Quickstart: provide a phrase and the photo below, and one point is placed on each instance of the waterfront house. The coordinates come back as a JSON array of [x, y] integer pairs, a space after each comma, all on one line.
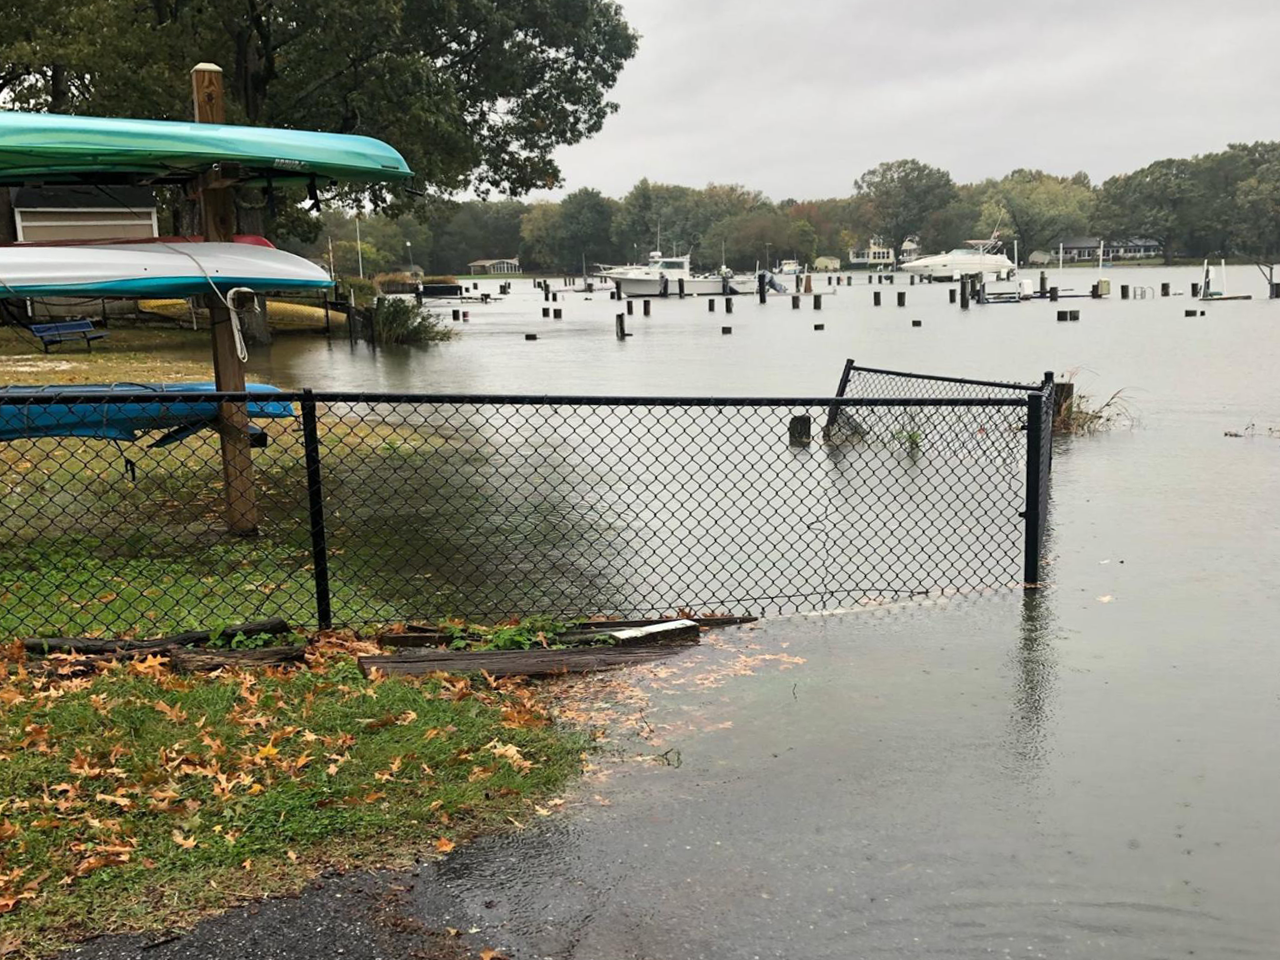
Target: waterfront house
[[510, 265], [876, 254], [1076, 249]]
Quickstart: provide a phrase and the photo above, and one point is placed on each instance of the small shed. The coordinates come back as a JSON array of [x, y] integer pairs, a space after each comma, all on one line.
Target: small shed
[[826, 263], [509, 265], [45, 214]]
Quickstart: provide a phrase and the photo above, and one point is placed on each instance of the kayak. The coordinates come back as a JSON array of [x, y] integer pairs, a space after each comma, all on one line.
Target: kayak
[[178, 409], [153, 269], [54, 148]]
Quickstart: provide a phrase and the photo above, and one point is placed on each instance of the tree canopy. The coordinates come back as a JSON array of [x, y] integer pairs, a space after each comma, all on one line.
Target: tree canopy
[[902, 195], [474, 94]]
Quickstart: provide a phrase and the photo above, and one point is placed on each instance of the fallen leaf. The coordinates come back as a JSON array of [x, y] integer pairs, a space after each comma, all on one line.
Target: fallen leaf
[[444, 845], [489, 954], [186, 843]]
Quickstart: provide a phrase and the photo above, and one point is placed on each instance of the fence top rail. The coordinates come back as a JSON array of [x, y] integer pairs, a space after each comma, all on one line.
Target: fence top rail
[[1029, 388], [67, 398]]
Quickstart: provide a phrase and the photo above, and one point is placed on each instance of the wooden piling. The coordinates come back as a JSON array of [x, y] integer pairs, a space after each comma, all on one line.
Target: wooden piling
[[1164, 289], [795, 302], [800, 431], [646, 307], [1195, 290], [819, 326], [711, 304], [620, 326], [531, 336], [631, 307], [1124, 291], [1073, 315], [218, 216], [1053, 294], [902, 298], [817, 301], [1062, 316], [546, 313], [952, 293], [728, 304], [725, 331], [917, 323], [557, 314], [964, 293], [680, 287], [875, 298]]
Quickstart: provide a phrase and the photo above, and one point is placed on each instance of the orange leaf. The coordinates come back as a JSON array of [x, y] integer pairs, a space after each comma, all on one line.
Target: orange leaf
[[124, 803], [490, 954], [444, 845], [186, 843]]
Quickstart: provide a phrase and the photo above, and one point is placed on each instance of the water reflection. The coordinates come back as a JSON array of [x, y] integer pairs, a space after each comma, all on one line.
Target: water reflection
[[1035, 661]]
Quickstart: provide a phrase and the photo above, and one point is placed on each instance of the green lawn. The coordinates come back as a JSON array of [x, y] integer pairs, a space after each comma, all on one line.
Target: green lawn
[[139, 799]]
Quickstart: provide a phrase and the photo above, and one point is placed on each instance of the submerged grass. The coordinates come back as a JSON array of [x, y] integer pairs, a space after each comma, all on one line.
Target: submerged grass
[[136, 798]]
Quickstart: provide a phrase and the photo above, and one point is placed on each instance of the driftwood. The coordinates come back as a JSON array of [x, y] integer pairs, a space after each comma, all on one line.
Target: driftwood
[[519, 663], [194, 661], [422, 636], [92, 646]]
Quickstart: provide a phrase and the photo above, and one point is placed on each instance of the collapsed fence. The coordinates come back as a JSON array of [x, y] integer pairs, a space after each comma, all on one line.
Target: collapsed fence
[[380, 507]]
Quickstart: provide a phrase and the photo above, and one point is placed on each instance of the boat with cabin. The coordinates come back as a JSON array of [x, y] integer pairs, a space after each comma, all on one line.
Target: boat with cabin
[[662, 276], [977, 257]]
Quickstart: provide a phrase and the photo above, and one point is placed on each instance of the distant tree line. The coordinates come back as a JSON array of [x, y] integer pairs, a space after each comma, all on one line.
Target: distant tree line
[[1216, 204]]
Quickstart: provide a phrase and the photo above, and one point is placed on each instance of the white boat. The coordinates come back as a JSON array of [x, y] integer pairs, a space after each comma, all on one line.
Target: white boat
[[788, 268], [661, 276], [979, 256], [156, 269]]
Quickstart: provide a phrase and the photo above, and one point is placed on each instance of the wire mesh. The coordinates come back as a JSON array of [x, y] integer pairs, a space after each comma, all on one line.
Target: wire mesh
[[491, 507]]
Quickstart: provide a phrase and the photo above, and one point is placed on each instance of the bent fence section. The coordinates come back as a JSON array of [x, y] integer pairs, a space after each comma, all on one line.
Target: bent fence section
[[378, 507]]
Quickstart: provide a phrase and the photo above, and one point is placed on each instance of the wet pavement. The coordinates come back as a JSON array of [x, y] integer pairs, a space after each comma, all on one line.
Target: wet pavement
[[1092, 772]]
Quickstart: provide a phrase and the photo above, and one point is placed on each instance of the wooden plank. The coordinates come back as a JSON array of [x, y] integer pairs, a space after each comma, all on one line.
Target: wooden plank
[[520, 663], [417, 635], [193, 661], [656, 633], [97, 645]]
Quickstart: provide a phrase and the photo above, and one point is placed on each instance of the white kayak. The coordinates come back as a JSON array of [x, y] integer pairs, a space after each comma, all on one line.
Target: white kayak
[[155, 269]]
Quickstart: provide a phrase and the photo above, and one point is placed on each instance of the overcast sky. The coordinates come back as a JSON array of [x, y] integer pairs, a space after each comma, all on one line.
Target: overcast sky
[[798, 98]]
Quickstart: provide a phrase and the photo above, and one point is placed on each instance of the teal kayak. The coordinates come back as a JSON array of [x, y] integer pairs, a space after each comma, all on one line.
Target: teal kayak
[[53, 148]]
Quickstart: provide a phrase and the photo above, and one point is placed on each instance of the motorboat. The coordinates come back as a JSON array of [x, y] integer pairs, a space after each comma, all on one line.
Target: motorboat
[[662, 276], [788, 268], [979, 257]]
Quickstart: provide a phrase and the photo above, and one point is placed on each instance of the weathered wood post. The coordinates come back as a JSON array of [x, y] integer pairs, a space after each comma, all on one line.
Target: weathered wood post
[[1044, 284], [680, 287], [631, 307], [218, 214], [795, 302], [902, 298], [728, 304], [800, 431], [1164, 289], [875, 298], [964, 293], [620, 326], [647, 308], [711, 304], [1053, 294], [817, 301], [952, 294]]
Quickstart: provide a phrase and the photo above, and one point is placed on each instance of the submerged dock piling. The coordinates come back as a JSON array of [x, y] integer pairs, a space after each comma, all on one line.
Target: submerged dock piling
[[620, 326], [817, 301], [795, 302], [646, 307], [631, 307], [952, 294], [711, 304], [875, 299], [902, 298], [728, 304]]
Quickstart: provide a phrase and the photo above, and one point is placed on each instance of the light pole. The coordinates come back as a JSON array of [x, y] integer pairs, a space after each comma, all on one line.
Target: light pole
[[766, 257], [408, 245]]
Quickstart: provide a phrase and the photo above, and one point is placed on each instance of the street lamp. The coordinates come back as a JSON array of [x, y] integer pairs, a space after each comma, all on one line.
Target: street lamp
[[766, 256], [408, 244], [359, 254]]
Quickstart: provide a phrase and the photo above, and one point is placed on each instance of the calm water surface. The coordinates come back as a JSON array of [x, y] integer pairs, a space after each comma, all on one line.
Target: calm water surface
[[1093, 774]]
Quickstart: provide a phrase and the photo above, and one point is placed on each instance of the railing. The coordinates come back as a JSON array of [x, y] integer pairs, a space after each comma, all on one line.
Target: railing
[[379, 507]]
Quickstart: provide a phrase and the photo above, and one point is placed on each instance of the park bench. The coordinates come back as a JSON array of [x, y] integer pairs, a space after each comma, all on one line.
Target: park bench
[[67, 330]]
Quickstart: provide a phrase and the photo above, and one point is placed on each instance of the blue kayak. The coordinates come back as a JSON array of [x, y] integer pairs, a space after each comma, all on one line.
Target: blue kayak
[[178, 409]]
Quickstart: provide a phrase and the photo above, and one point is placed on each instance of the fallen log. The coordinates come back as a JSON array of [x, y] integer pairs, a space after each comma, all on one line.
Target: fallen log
[[519, 663], [97, 646], [196, 661]]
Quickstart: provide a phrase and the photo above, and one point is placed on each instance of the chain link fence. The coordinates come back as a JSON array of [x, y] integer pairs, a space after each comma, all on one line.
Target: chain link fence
[[376, 507]]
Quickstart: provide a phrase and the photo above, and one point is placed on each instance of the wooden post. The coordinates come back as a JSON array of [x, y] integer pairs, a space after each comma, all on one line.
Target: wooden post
[[218, 215]]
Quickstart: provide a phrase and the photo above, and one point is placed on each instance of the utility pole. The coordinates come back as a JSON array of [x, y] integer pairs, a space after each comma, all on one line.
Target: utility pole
[[215, 194]]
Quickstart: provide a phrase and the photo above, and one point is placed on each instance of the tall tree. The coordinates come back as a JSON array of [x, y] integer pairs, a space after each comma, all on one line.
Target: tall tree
[[1038, 208], [1157, 201], [1257, 220], [540, 237], [903, 195], [473, 94], [586, 218]]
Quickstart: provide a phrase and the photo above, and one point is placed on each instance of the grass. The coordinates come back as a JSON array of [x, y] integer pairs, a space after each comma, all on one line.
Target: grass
[[128, 354], [139, 799], [1083, 414]]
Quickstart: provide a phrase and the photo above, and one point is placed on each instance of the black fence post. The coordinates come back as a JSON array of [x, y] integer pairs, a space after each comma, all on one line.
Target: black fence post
[[315, 497], [1031, 513], [834, 409]]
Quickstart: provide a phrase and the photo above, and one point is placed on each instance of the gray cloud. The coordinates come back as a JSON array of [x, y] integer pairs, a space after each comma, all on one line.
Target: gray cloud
[[798, 98]]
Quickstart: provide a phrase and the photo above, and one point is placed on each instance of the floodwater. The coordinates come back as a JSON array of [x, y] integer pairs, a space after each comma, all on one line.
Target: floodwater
[[1094, 772]]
